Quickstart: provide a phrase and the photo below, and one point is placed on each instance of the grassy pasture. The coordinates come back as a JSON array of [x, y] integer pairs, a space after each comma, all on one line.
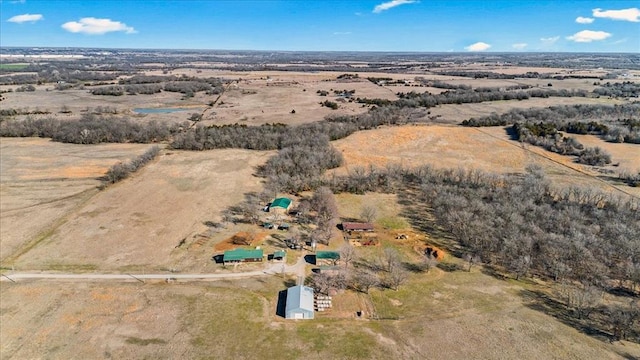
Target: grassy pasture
[[9, 67]]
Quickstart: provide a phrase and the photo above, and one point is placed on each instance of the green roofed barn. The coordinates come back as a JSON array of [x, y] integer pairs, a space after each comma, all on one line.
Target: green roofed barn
[[327, 255], [280, 205], [242, 255]]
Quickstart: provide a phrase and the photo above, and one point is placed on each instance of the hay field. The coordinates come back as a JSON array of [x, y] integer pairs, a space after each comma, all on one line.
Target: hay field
[[141, 220], [42, 181], [488, 149]]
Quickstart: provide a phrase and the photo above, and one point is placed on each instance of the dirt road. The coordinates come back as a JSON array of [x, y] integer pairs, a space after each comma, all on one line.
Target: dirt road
[[297, 269]]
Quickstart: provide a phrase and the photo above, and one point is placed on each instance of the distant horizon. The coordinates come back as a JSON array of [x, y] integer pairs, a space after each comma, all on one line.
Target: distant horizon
[[415, 26], [466, 53]]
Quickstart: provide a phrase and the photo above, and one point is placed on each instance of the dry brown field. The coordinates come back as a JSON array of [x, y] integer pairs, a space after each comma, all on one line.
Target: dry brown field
[[42, 181], [487, 149], [138, 222]]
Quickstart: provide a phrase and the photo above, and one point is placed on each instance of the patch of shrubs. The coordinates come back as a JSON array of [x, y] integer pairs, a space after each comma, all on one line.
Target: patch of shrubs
[[121, 171]]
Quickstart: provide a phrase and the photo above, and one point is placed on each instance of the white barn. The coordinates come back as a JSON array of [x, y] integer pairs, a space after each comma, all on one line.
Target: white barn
[[299, 303]]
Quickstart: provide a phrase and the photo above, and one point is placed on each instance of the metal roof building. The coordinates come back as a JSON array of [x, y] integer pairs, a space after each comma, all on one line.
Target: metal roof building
[[299, 302], [328, 255], [355, 226], [242, 255], [281, 203]]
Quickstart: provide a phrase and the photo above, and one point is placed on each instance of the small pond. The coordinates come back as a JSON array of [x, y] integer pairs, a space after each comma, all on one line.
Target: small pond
[[157, 110]]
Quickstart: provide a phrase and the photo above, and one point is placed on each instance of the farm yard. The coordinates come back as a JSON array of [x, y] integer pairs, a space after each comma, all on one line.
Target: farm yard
[[356, 202]]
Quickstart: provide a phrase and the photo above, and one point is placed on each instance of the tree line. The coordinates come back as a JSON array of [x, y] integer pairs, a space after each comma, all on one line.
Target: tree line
[[428, 100], [90, 129]]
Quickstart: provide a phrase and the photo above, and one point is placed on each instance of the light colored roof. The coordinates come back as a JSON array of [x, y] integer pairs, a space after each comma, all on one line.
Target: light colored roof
[[333, 255], [300, 298], [281, 203], [242, 254], [279, 253]]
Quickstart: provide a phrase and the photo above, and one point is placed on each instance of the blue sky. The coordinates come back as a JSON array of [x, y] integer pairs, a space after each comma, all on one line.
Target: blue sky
[[326, 25]]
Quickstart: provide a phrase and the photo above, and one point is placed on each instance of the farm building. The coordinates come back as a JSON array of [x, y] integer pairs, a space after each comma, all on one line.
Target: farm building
[[331, 256], [357, 227], [280, 205], [361, 232], [279, 255], [242, 255], [299, 303]]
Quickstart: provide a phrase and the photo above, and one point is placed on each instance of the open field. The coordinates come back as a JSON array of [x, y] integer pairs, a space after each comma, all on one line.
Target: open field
[[42, 181], [439, 313], [141, 220], [488, 149]]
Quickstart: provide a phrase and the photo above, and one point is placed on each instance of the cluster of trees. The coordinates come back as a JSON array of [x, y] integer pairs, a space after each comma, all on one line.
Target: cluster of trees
[[121, 171], [26, 88], [330, 104], [582, 238], [630, 178], [428, 100], [617, 123], [187, 87], [385, 271], [323, 203], [624, 89], [441, 84], [301, 163], [90, 129]]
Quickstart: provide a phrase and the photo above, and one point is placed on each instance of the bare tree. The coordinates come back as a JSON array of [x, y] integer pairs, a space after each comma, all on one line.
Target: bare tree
[[369, 213], [396, 277], [347, 254], [390, 259], [363, 280]]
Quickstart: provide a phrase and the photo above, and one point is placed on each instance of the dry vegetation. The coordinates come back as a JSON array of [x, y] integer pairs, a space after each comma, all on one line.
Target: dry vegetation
[[54, 218]]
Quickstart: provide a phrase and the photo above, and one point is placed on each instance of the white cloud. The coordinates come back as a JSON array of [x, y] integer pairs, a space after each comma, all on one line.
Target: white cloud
[[26, 18], [519, 46], [479, 46], [93, 26], [550, 40], [19, 1], [584, 20], [587, 36], [620, 41], [631, 14], [342, 33], [391, 4]]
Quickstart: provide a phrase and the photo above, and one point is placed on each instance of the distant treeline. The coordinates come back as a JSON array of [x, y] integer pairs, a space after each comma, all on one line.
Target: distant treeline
[[617, 123], [624, 89], [428, 100]]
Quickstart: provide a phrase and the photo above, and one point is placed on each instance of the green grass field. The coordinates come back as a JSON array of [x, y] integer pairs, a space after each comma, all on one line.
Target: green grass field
[[13, 67]]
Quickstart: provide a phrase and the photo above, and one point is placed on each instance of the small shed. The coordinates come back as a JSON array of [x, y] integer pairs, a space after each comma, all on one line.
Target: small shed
[[281, 205], [279, 255], [242, 255], [299, 302]]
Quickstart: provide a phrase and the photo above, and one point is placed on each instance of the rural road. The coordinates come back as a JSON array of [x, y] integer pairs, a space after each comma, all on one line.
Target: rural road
[[298, 269]]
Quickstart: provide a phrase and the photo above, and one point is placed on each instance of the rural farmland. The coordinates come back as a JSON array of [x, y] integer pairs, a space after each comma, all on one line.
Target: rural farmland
[[198, 204]]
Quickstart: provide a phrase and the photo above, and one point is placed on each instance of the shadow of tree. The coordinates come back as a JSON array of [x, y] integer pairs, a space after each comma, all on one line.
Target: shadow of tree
[[589, 325]]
